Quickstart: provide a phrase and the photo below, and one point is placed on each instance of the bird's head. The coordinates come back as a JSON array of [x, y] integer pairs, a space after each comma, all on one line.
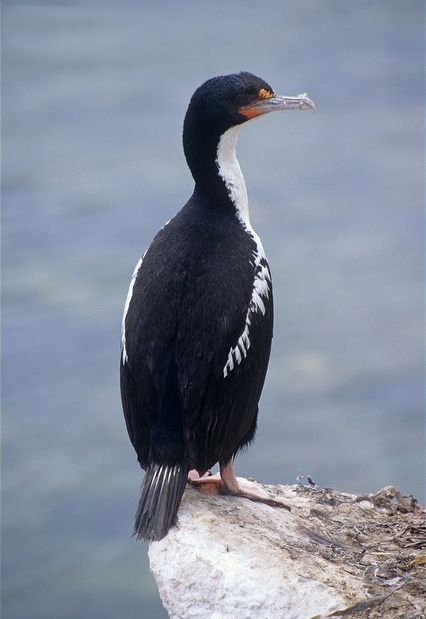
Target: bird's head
[[227, 101]]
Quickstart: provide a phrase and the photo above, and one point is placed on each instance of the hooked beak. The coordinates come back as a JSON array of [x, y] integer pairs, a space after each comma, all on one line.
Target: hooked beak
[[276, 103]]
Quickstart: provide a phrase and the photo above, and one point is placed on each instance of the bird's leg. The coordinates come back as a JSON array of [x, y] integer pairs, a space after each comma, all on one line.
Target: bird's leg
[[230, 485], [207, 483], [225, 482], [194, 476], [228, 477]]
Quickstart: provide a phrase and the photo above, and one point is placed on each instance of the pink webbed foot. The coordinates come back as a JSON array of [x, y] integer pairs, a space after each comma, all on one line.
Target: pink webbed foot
[[194, 476], [207, 483], [226, 483]]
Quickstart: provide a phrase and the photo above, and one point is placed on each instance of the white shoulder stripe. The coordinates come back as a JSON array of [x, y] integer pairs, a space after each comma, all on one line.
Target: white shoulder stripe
[[126, 309], [260, 289]]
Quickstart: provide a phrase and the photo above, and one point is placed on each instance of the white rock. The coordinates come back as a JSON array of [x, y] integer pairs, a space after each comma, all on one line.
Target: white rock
[[231, 558]]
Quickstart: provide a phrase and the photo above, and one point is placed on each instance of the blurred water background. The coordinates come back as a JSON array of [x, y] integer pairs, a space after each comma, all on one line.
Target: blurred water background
[[93, 101]]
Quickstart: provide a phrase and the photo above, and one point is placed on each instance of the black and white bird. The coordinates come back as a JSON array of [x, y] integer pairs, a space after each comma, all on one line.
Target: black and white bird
[[197, 322]]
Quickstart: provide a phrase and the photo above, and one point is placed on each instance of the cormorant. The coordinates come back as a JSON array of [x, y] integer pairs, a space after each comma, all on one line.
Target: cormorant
[[197, 322]]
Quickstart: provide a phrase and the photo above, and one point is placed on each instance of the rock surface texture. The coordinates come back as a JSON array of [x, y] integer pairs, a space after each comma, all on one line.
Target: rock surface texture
[[333, 555]]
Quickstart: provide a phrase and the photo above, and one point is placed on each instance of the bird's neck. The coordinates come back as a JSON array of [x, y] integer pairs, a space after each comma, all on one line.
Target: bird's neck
[[230, 172], [217, 173]]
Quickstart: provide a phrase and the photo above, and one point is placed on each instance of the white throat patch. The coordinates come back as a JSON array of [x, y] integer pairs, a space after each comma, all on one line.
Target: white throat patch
[[230, 172]]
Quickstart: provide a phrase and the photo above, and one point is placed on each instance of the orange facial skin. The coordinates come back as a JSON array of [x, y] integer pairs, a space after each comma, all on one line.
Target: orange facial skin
[[251, 111]]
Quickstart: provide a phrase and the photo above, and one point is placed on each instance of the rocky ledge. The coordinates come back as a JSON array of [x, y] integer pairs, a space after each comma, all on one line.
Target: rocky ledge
[[333, 555]]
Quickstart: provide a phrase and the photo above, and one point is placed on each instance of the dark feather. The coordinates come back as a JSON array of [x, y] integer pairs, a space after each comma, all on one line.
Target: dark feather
[[161, 493]]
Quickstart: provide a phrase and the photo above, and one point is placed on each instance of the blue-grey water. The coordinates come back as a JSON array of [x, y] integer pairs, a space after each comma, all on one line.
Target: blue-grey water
[[93, 100]]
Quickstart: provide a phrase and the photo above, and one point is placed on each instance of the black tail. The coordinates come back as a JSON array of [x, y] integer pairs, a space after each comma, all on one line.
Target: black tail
[[161, 494]]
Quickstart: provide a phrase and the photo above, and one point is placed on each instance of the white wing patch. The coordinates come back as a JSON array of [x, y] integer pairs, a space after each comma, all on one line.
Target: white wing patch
[[260, 289], [126, 309], [126, 305], [230, 171]]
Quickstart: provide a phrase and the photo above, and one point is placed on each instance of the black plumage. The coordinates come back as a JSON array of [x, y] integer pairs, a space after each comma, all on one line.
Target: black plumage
[[197, 326]]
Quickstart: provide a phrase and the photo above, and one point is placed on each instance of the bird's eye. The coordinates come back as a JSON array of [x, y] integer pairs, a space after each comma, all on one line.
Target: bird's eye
[[242, 99]]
